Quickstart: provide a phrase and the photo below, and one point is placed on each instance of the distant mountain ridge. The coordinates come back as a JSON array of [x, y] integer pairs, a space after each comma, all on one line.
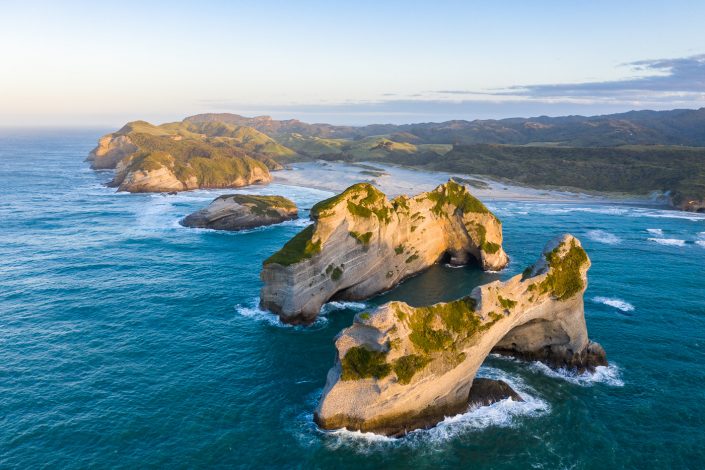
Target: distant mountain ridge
[[683, 127]]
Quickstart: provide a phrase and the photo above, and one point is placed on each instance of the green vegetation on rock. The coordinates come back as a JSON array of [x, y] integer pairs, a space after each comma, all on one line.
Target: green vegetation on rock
[[361, 238], [362, 200], [262, 205], [360, 363], [506, 303], [564, 279], [444, 326], [455, 195], [297, 249], [407, 366]]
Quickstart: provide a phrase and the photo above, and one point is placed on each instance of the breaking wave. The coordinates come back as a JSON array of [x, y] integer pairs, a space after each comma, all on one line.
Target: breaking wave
[[668, 241], [655, 231], [608, 375], [335, 305], [602, 236], [616, 303], [254, 312], [504, 413]]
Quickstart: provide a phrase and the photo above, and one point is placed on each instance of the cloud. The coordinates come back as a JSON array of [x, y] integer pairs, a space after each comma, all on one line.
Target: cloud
[[660, 84], [664, 78]]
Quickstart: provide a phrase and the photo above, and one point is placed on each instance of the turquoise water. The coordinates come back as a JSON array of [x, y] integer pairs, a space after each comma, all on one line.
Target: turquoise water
[[128, 341]]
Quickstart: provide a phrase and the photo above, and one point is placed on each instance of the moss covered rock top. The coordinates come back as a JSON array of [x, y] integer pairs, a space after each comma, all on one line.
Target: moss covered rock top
[[299, 248], [361, 199], [242, 211], [567, 265], [260, 204]]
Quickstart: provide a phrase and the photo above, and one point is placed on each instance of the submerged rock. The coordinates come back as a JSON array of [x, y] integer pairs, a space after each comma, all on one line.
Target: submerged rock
[[242, 211], [400, 368], [361, 244]]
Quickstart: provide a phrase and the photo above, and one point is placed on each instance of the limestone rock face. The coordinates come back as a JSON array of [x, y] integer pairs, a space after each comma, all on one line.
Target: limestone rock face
[[242, 211], [137, 178], [182, 156], [400, 368], [110, 150], [361, 244]]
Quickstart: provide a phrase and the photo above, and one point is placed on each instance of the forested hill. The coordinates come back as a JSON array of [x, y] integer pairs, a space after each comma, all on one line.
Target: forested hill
[[677, 127]]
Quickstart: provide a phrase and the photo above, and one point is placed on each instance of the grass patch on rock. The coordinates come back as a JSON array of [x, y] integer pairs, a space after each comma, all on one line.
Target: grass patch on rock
[[360, 363], [297, 249]]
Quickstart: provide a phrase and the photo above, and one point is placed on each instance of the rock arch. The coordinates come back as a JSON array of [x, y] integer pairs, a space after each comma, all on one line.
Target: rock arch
[[361, 243], [401, 368]]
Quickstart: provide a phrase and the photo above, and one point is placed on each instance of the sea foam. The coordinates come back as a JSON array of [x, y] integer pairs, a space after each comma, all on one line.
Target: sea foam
[[254, 312], [616, 303], [504, 413], [668, 241], [602, 236], [608, 375]]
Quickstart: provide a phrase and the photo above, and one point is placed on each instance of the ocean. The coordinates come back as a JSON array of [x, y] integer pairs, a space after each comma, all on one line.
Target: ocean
[[128, 341]]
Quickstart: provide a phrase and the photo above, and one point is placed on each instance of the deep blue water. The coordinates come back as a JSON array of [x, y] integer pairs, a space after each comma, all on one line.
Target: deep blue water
[[127, 341]]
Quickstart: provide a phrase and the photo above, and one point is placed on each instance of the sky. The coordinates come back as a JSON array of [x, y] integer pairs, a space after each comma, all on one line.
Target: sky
[[92, 63]]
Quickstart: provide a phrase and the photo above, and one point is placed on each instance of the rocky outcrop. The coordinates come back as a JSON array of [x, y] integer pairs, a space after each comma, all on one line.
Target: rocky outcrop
[[186, 155], [400, 368], [110, 150], [242, 211], [485, 392], [162, 172], [361, 244], [690, 204]]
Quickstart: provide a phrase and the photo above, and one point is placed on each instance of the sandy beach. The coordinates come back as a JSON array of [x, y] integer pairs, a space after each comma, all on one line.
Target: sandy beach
[[394, 180]]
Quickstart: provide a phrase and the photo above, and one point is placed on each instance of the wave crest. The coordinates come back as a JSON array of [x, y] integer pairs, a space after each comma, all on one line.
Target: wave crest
[[602, 236], [608, 375], [668, 241], [254, 312], [616, 303]]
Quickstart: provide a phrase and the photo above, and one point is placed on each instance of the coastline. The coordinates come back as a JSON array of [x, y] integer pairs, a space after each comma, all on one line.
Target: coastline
[[396, 180]]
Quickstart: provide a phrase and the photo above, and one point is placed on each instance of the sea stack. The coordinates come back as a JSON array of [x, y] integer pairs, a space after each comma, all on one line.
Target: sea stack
[[242, 211], [401, 368], [361, 244]]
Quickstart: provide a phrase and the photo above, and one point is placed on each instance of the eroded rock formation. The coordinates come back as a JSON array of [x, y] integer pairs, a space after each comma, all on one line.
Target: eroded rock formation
[[401, 368], [186, 155], [242, 211], [361, 244]]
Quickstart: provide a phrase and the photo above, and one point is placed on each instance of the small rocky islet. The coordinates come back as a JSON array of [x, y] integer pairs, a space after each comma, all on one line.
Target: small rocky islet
[[401, 368], [242, 211]]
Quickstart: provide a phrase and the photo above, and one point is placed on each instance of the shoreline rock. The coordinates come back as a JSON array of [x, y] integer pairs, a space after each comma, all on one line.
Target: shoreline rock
[[242, 211], [485, 392], [186, 155], [361, 244], [402, 367]]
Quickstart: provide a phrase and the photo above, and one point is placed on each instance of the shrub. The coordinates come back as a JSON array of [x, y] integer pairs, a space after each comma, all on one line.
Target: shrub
[[360, 362], [406, 366]]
